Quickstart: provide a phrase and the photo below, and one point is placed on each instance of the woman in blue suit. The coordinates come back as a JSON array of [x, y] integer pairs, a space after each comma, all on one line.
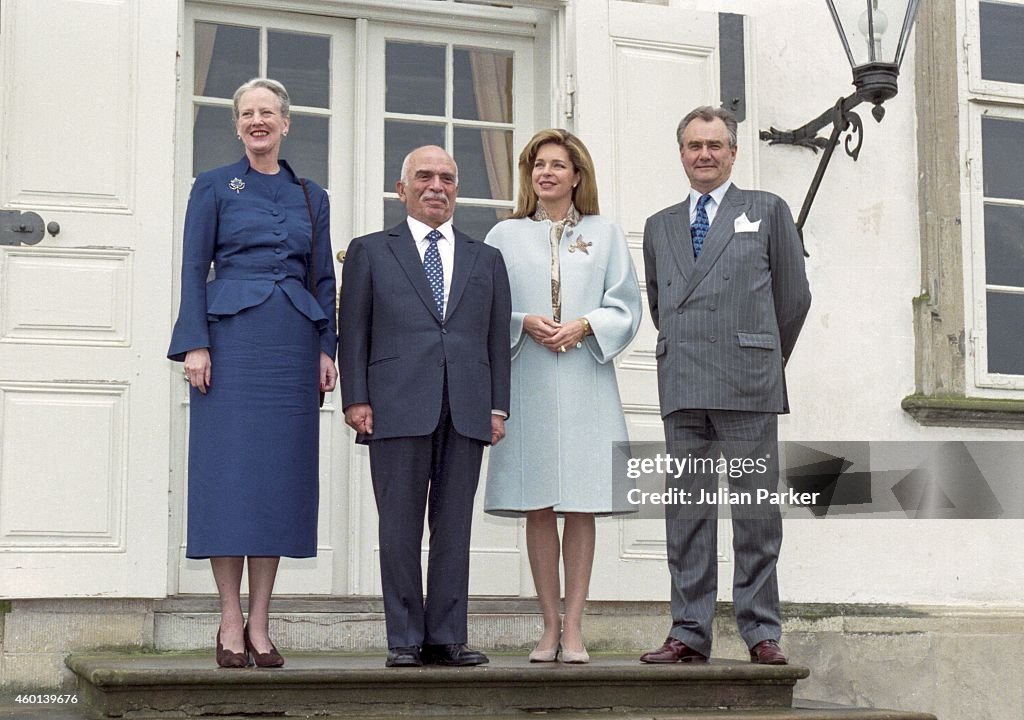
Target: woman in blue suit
[[258, 345]]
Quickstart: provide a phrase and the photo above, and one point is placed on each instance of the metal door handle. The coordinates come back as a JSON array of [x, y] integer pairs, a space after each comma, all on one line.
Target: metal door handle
[[23, 228]]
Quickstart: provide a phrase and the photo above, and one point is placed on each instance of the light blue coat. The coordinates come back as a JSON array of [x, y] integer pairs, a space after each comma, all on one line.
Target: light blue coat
[[565, 407]]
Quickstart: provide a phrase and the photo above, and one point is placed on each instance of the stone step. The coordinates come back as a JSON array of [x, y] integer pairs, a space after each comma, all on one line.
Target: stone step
[[354, 685], [356, 624]]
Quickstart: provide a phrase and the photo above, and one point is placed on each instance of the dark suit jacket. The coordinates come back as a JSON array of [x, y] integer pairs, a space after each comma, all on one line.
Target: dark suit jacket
[[727, 321], [394, 348]]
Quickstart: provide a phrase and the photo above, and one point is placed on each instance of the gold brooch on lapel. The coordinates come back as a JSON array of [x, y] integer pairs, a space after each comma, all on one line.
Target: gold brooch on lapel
[[237, 185], [580, 245]]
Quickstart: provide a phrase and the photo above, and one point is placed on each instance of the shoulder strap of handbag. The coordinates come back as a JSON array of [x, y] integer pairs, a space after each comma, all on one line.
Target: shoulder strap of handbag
[[311, 275]]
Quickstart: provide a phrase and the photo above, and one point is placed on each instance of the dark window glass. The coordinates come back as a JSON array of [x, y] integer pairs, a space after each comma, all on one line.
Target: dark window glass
[[225, 57], [302, 63], [401, 138], [1002, 42], [485, 163], [483, 85], [213, 139], [415, 78], [477, 221], [1005, 333], [1002, 143], [1004, 245], [394, 212], [307, 147]]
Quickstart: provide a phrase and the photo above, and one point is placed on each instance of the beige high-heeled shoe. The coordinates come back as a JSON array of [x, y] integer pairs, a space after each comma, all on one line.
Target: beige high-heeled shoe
[[545, 656], [573, 657]]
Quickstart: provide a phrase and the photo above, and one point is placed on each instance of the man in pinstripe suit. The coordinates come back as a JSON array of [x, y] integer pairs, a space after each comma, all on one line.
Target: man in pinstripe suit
[[728, 294]]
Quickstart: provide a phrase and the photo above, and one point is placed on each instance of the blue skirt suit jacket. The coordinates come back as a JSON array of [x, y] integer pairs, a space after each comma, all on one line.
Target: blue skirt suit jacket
[[253, 485]]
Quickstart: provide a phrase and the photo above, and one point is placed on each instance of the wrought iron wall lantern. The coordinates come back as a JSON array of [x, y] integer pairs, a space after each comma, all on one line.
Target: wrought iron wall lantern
[[875, 54]]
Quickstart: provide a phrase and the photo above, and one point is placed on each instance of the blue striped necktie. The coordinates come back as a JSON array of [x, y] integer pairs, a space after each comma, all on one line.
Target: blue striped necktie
[[699, 229], [434, 270]]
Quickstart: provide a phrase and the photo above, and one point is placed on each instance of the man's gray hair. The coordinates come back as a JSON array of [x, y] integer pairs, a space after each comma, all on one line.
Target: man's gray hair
[[708, 114], [266, 83]]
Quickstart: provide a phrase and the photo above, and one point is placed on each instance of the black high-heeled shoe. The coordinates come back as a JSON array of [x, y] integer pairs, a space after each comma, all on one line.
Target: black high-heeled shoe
[[229, 658], [269, 659]]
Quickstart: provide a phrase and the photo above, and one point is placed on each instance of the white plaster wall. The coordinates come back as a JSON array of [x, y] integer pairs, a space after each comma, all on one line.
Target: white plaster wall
[[855, 359]]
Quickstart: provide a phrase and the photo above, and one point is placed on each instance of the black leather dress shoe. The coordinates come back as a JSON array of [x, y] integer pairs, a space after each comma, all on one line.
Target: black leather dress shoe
[[403, 657], [454, 655]]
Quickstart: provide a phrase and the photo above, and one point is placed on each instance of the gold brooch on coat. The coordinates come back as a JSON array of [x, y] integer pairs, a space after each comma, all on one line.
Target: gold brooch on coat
[[236, 184], [580, 245]]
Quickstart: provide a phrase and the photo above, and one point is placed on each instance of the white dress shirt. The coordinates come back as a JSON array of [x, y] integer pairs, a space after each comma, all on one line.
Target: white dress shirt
[[711, 206], [445, 247]]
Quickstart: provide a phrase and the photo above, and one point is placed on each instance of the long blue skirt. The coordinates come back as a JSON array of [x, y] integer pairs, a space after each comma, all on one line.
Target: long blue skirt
[[254, 437]]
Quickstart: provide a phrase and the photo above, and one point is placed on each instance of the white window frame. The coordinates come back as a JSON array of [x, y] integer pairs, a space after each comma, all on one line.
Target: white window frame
[[978, 99]]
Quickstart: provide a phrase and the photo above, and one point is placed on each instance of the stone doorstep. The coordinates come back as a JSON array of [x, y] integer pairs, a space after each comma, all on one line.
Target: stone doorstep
[[166, 685]]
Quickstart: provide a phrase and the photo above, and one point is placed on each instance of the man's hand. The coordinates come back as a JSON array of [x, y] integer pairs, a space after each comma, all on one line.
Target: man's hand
[[359, 417], [497, 429]]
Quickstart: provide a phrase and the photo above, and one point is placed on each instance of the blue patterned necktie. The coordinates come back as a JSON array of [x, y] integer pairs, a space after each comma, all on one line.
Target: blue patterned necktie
[[435, 272], [699, 229]]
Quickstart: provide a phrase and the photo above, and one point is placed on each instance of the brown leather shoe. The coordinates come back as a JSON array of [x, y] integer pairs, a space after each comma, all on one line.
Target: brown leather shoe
[[269, 659], [768, 652], [229, 658], [673, 651]]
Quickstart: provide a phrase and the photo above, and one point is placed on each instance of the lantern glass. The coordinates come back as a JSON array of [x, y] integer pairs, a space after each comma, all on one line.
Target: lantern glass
[[873, 30]]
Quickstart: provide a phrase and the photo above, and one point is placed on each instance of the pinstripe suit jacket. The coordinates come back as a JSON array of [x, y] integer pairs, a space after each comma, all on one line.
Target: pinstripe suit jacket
[[727, 321]]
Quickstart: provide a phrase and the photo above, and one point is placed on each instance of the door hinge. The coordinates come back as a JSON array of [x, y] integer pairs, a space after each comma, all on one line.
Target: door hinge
[[570, 95]]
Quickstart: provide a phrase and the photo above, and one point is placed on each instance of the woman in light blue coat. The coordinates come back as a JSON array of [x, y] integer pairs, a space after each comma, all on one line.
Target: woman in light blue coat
[[575, 306]]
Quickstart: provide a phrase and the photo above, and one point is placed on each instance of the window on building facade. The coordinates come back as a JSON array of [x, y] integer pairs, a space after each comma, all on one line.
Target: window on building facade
[[227, 56], [461, 99], [996, 191]]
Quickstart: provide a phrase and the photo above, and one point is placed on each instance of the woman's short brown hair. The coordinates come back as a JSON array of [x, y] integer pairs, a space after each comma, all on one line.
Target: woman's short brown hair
[[584, 195]]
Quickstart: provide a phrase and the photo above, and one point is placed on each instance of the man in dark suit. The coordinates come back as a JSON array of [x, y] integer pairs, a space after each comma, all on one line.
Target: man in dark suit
[[728, 294], [425, 370]]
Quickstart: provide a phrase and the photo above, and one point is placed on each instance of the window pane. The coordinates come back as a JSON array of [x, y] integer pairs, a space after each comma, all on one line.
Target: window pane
[[401, 138], [1002, 42], [485, 163], [1002, 144], [1004, 245], [302, 63], [1005, 333], [415, 78], [483, 85], [225, 57], [477, 221], [307, 147], [213, 139], [394, 212]]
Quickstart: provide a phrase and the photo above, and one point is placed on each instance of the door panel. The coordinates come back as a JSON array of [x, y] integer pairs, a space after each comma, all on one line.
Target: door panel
[[83, 313], [626, 53]]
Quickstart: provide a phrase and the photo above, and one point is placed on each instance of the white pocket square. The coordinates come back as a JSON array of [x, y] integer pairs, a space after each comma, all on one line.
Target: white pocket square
[[744, 225]]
